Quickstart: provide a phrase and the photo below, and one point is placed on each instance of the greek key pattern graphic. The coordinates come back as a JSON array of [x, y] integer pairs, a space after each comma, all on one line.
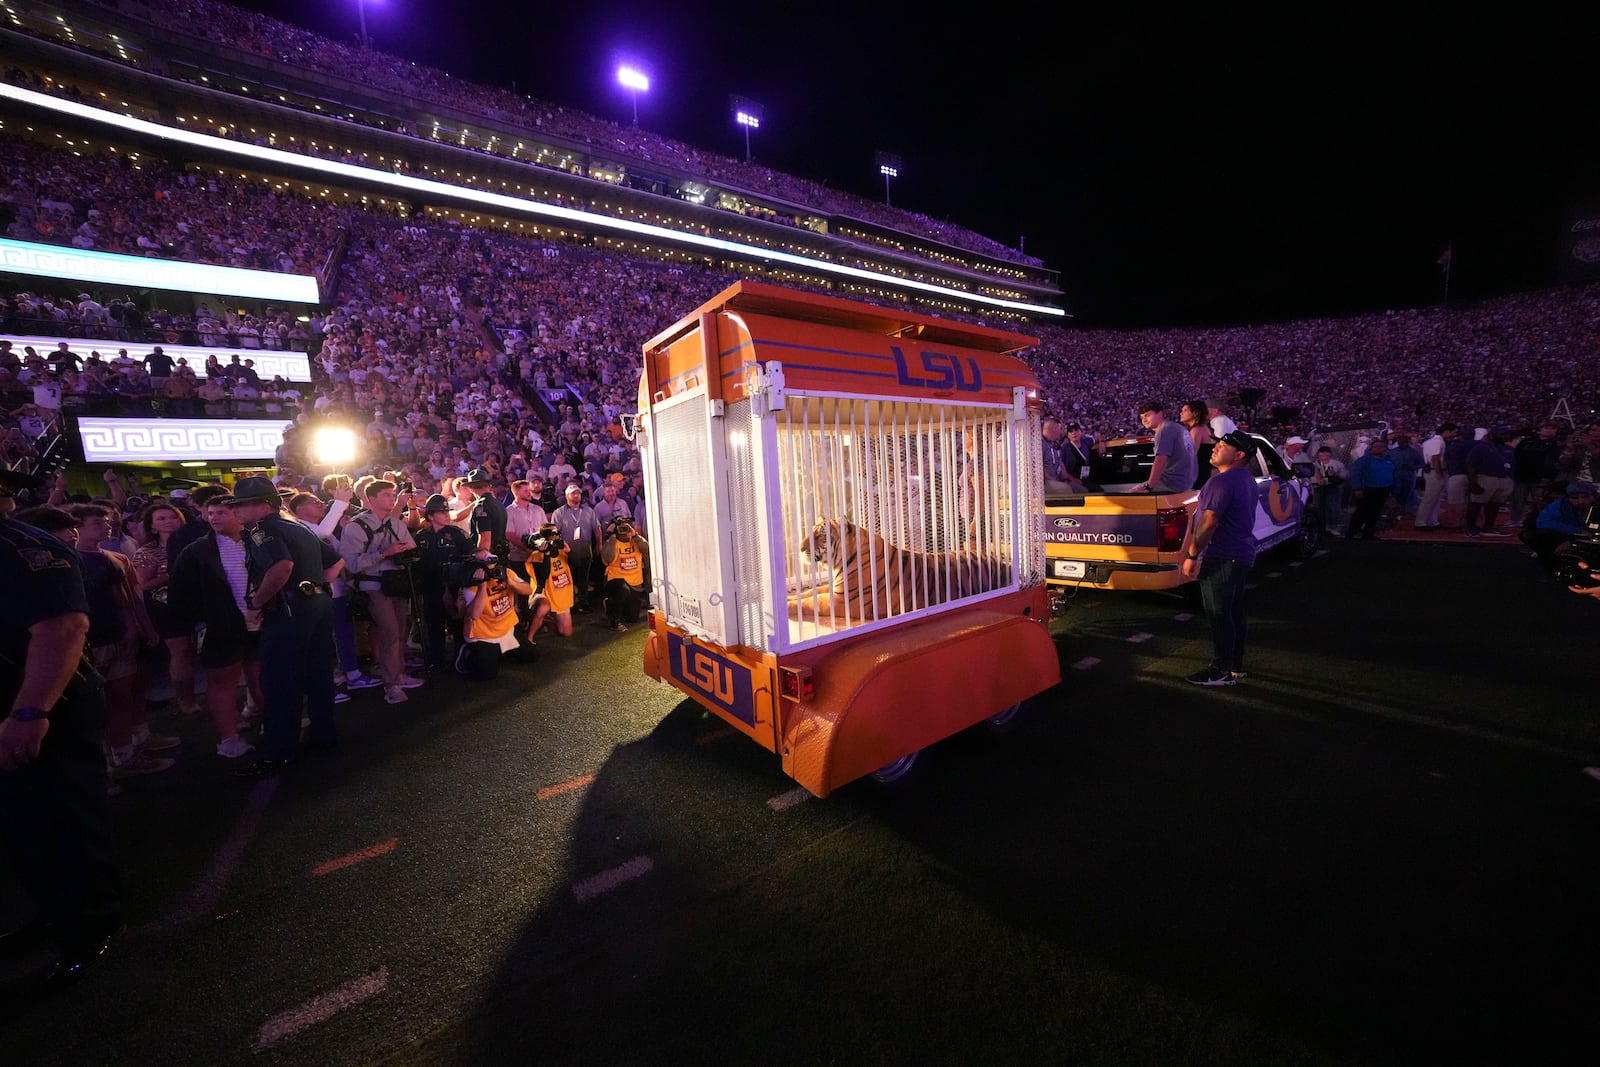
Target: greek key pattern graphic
[[173, 440]]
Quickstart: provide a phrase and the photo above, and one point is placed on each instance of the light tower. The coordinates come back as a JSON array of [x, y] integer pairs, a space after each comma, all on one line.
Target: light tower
[[747, 113], [636, 81], [889, 167]]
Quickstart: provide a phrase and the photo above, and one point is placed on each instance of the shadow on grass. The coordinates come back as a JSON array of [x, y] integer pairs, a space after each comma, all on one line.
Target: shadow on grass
[[1184, 876]]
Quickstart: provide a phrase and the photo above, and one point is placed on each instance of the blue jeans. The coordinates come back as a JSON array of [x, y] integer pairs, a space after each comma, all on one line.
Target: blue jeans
[[1222, 591]]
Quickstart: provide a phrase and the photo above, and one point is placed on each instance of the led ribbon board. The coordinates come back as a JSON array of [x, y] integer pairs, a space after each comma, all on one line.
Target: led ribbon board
[[291, 366], [171, 440], [139, 272], [403, 183]]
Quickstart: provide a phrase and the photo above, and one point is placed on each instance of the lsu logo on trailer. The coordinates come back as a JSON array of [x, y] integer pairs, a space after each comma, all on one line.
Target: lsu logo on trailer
[[715, 678]]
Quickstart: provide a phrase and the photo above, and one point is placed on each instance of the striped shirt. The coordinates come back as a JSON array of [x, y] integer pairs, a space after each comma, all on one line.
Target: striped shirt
[[232, 554]]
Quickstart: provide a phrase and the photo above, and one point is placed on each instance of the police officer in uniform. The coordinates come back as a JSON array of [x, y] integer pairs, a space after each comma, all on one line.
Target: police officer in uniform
[[289, 569], [488, 525], [56, 824], [440, 543]]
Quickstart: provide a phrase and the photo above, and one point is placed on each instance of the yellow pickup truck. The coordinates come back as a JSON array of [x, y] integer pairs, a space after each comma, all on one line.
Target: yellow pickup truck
[[1111, 538]]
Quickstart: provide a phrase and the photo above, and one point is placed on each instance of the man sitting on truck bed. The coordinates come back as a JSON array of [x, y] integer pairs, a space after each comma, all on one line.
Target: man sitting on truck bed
[[1173, 468]]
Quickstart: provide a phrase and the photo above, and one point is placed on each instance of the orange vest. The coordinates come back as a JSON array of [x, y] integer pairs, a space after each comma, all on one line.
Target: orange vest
[[499, 614], [558, 587], [627, 564]]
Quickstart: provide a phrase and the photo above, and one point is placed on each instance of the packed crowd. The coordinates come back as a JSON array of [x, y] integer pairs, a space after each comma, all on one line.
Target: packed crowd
[[262, 36], [185, 577], [142, 208], [1508, 361], [480, 322]]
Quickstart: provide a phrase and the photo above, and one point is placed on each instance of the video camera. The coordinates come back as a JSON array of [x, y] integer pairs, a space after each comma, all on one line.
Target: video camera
[[620, 527], [1584, 548], [546, 539], [470, 570]]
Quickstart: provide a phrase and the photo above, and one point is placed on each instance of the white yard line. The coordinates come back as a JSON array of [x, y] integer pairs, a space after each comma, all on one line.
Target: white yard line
[[785, 801], [606, 881], [319, 1009], [207, 892]]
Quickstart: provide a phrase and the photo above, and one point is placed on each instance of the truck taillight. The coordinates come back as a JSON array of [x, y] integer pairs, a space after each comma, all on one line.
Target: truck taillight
[[1170, 525], [796, 682]]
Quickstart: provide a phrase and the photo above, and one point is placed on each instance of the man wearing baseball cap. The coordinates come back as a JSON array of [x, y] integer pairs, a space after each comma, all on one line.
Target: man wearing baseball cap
[[1220, 549], [487, 526]]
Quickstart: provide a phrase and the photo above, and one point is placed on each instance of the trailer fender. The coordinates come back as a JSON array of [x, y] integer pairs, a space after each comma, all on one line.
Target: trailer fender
[[895, 692]]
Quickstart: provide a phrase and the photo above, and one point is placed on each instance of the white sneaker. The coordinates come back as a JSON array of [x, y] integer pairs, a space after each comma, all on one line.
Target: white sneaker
[[357, 680], [405, 681], [234, 747], [341, 698], [394, 695]]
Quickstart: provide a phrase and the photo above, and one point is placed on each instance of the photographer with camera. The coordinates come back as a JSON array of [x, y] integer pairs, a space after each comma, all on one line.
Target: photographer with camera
[[489, 620], [626, 556], [440, 544], [378, 551], [549, 554], [1559, 522]]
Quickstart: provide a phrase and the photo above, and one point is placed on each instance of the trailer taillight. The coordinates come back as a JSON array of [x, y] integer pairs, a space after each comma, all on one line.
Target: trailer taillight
[[1170, 525], [796, 682]]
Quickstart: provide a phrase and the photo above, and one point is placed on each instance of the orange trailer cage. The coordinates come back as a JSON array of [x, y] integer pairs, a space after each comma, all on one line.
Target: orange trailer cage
[[842, 506]]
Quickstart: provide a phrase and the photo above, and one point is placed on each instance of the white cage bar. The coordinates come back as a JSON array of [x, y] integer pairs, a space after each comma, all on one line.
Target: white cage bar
[[893, 509]]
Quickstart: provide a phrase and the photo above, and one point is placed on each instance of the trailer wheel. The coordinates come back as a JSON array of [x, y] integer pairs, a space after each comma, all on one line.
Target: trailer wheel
[[1005, 720], [897, 770]]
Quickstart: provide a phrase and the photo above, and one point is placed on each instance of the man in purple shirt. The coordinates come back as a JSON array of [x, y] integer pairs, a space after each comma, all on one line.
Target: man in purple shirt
[[1488, 483], [1219, 551]]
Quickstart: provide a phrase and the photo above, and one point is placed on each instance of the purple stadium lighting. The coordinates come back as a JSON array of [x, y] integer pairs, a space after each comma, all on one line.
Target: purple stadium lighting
[[635, 81], [889, 167], [747, 113], [361, 10]]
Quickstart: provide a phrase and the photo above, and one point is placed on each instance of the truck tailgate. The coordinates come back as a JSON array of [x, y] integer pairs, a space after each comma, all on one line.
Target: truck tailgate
[[1130, 532]]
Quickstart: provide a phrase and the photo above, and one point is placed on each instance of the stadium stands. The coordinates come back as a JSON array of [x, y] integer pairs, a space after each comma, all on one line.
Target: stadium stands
[[471, 345]]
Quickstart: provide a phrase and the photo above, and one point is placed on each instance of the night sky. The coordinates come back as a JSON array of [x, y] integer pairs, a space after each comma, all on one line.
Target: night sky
[[1176, 170]]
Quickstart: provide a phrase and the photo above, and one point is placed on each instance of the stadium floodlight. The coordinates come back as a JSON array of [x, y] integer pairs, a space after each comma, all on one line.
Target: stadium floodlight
[[333, 446], [361, 11], [746, 113], [889, 167], [635, 81]]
